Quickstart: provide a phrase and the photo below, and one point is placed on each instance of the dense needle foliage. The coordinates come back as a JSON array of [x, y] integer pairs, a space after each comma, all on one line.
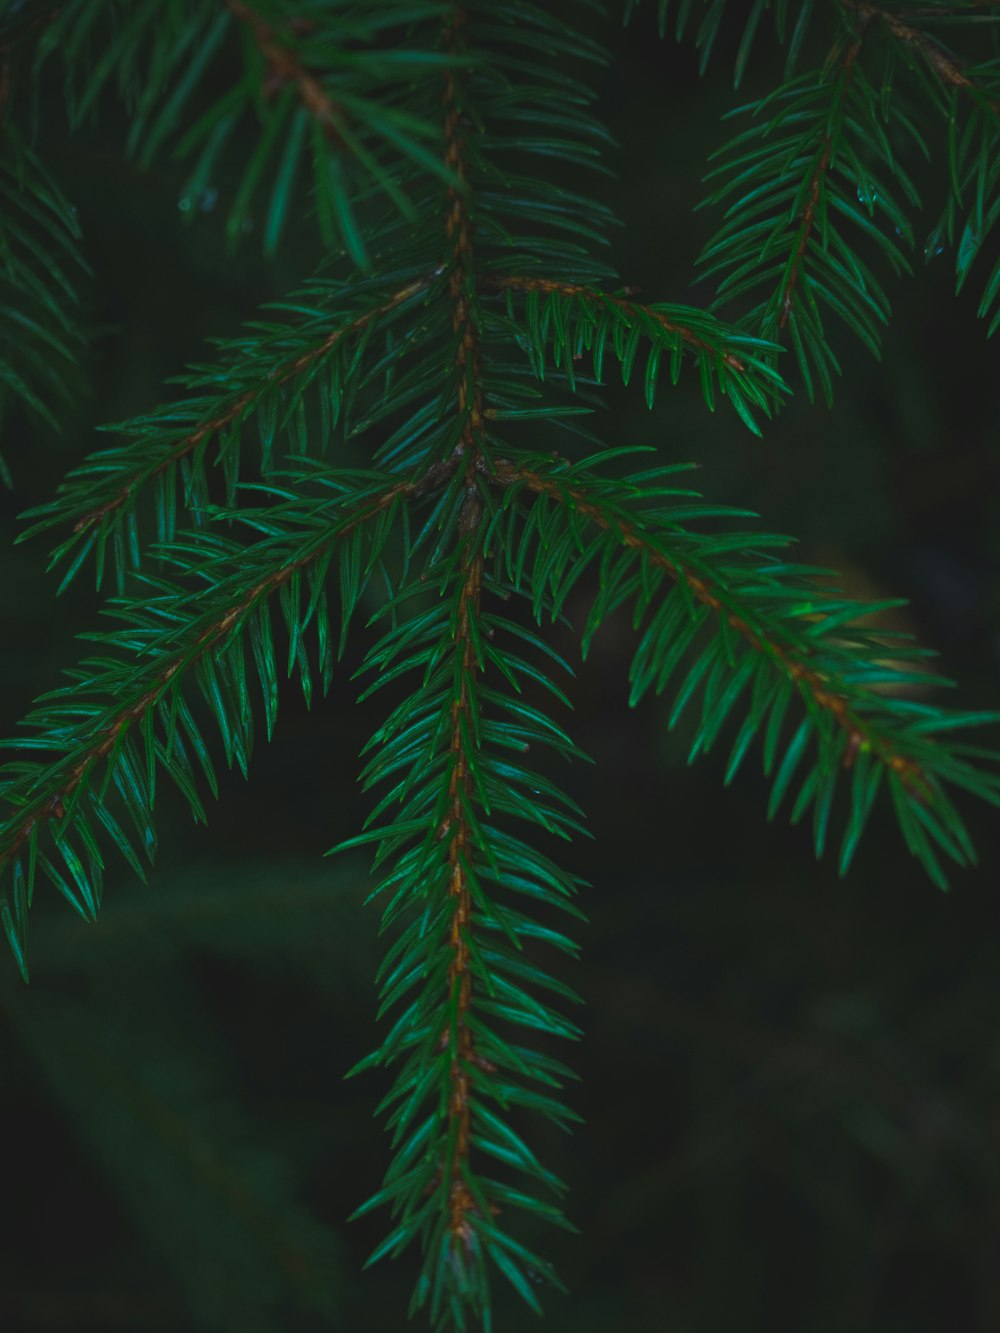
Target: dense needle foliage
[[454, 338]]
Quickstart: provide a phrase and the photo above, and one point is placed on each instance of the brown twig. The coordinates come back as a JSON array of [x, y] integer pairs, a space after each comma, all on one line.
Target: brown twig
[[459, 974], [470, 406], [284, 66], [811, 682], [944, 65], [510, 282]]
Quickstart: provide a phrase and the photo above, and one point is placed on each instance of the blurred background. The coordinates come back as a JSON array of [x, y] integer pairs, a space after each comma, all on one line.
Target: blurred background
[[790, 1083]]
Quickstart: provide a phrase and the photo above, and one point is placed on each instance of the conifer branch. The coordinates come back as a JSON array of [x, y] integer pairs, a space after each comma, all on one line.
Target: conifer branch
[[438, 107], [469, 405], [40, 335], [284, 66], [181, 634], [452, 789], [60, 783], [793, 659], [98, 496], [795, 177], [940, 61], [824, 150], [789, 625], [456, 829], [574, 318], [692, 339], [238, 407]]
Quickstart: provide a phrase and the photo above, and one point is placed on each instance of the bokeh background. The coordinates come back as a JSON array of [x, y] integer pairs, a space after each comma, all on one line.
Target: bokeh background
[[790, 1083]]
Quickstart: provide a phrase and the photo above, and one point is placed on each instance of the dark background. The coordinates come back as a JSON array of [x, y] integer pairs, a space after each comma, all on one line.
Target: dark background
[[790, 1082]]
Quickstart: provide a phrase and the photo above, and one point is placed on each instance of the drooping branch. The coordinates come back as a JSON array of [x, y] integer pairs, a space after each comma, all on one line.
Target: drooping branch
[[233, 410], [696, 342], [944, 65], [822, 162], [54, 789], [284, 66], [823, 691]]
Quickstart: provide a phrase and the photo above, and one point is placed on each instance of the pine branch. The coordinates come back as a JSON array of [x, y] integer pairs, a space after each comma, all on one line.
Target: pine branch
[[808, 217], [444, 855], [470, 126], [469, 406], [620, 302], [966, 96], [458, 831]]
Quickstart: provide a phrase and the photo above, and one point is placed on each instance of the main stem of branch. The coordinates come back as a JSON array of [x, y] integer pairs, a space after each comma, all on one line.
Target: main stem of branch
[[824, 155], [469, 405], [459, 974]]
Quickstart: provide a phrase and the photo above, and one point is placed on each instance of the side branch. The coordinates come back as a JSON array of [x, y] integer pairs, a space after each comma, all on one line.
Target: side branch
[[814, 685], [284, 66], [821, 165], [238, 406], [948, 70], [696, 342], [51, 793]]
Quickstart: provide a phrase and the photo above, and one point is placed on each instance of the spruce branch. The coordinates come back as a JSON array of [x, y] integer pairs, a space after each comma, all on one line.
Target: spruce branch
[[460, 967], [819, 149], [175, 632], [966, 95], [809, 216], [619, 301], [100, 497], [327, 92], [445, 853], [284, 65], [470, 126], [942, 63], [573, 318], [798, 639], [469, 406], [457, 831]]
